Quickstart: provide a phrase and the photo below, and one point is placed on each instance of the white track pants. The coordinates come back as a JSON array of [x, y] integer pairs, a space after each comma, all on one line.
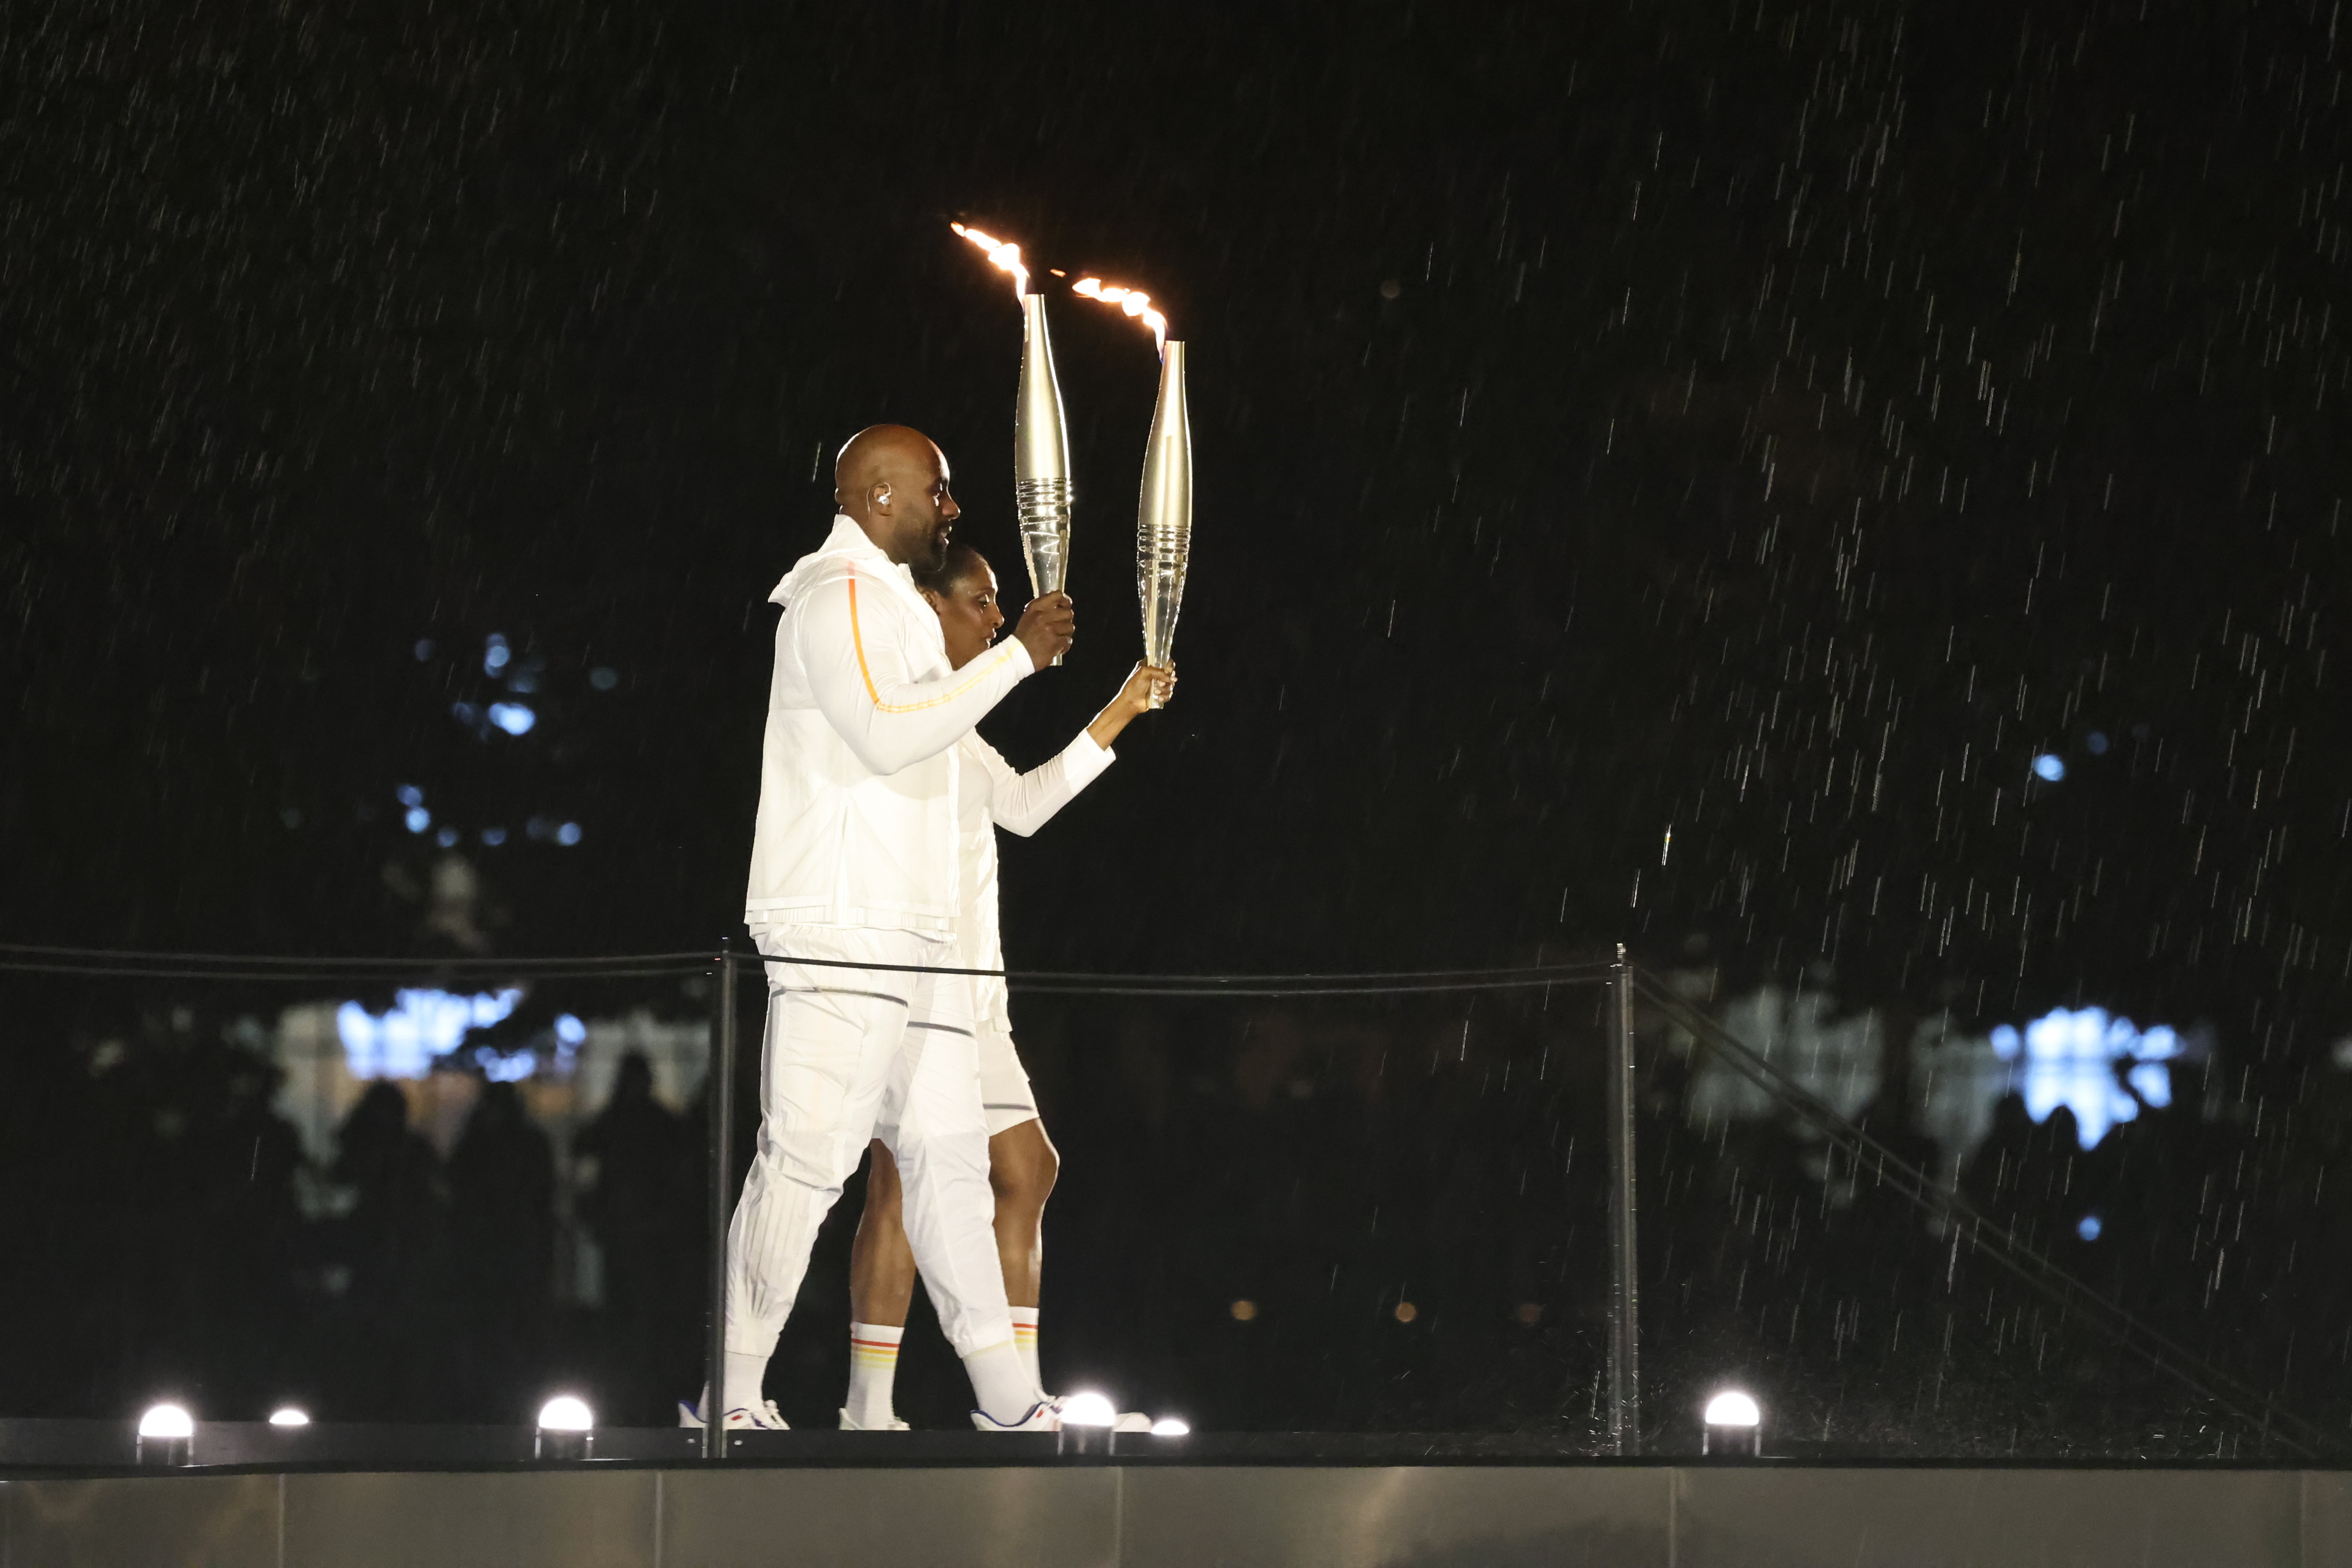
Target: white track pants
[[839, 1042]]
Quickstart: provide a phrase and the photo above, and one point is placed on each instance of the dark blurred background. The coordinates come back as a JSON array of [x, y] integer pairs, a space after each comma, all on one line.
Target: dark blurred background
[[405, 416]]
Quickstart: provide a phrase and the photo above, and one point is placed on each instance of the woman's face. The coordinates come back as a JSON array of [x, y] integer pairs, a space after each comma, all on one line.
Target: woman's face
[[969, 615]]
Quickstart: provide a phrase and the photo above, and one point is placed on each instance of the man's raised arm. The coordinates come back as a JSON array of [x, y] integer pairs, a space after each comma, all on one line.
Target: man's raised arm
[[858, 672]]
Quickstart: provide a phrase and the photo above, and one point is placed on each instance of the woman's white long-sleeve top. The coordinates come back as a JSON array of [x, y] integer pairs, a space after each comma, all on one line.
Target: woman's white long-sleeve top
[[990, 795], [857, 771]]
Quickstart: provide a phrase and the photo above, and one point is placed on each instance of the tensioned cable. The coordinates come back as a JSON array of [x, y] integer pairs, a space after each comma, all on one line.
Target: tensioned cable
[[419, 970], [26, 958], [299, 963], [1997, 1241]]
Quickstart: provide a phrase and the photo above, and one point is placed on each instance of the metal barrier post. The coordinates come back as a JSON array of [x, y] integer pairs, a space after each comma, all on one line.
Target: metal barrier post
[[722, 1162], [1624, 1314]]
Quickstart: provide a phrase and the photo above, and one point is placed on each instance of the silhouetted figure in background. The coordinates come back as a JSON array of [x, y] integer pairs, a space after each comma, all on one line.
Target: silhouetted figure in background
[[2024, 1173], [502, 1248], [643, 1212], [390, 1250]]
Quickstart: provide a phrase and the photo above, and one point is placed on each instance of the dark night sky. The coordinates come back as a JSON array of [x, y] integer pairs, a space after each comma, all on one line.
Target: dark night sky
[[1790, 421]]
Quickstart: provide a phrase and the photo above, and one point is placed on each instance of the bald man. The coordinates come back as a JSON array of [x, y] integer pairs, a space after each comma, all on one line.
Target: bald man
[[854, 863]]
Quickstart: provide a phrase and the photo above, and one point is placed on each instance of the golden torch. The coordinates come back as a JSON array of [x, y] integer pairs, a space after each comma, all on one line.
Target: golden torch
[[1163, 513], [1041, 439]]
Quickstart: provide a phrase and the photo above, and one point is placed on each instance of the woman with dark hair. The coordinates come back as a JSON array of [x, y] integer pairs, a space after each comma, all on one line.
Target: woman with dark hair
[[1022, 1163]]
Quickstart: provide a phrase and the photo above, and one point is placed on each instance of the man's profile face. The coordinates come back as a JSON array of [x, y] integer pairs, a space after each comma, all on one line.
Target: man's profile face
[[969, 615], [926, 515]]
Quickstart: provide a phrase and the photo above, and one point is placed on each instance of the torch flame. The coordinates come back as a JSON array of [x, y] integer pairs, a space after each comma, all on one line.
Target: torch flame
[[1132, 301], [1003, 253]]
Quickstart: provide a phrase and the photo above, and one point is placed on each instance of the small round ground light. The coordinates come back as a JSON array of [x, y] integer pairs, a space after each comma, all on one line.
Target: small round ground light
[[1087, 1419], [1735, 1427], [567, 1429], [167, 1436]]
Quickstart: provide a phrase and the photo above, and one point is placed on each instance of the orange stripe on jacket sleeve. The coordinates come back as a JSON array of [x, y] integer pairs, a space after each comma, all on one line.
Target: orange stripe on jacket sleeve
[[857, 640]]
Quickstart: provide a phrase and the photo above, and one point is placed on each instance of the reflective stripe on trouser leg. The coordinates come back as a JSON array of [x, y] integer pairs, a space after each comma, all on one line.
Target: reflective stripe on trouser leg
[[936, 1130], [832, 1039]]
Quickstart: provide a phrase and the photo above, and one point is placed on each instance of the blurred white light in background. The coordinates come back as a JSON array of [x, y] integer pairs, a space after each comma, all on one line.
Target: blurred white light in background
[[2069, 1059], [513, 718], [409, 795], [423, 650], [167, 1421], [418, 819], [290, 1415], [1088, 1409], [495, 656], [446, 839], [2049, 767], [566, 1413], [2088, 1227], [570, 1029], [2096, 743], [494, 837], [604, 679], [1169, 1426], [421, 1027], [569, 834]]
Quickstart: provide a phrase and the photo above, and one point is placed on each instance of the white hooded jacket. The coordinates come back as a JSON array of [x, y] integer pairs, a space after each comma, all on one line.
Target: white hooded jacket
[[857, 808]]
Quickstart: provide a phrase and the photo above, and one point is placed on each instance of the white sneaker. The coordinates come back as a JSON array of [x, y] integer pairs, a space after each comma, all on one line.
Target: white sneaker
[[767, 1418], [893, 1425], [1046, 1415]]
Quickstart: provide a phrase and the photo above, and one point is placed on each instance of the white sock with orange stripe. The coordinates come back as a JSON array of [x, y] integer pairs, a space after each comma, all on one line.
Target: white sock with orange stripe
[[1025, 1340], [873, 1367]]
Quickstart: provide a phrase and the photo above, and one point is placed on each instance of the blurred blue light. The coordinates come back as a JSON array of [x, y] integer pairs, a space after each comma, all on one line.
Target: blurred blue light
[[568, 834], [2088, 1227], [570, 1029], [522, 680], [2069, 1059], [603, 679], [512, 717], [418, 819], [495, 657], [466, 713], [421, 1027], [409, 795], [2049, 767], [2097, 743], [423, 650], [446, 839], [507, 1069], [494, 835]]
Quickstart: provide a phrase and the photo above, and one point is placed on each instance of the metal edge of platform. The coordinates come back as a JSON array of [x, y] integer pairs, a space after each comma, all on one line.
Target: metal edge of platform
[[1653, 1514], [65, 1448]]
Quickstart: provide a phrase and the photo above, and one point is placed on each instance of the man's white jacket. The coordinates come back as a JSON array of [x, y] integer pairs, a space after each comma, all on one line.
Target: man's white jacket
[[857, 775]]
